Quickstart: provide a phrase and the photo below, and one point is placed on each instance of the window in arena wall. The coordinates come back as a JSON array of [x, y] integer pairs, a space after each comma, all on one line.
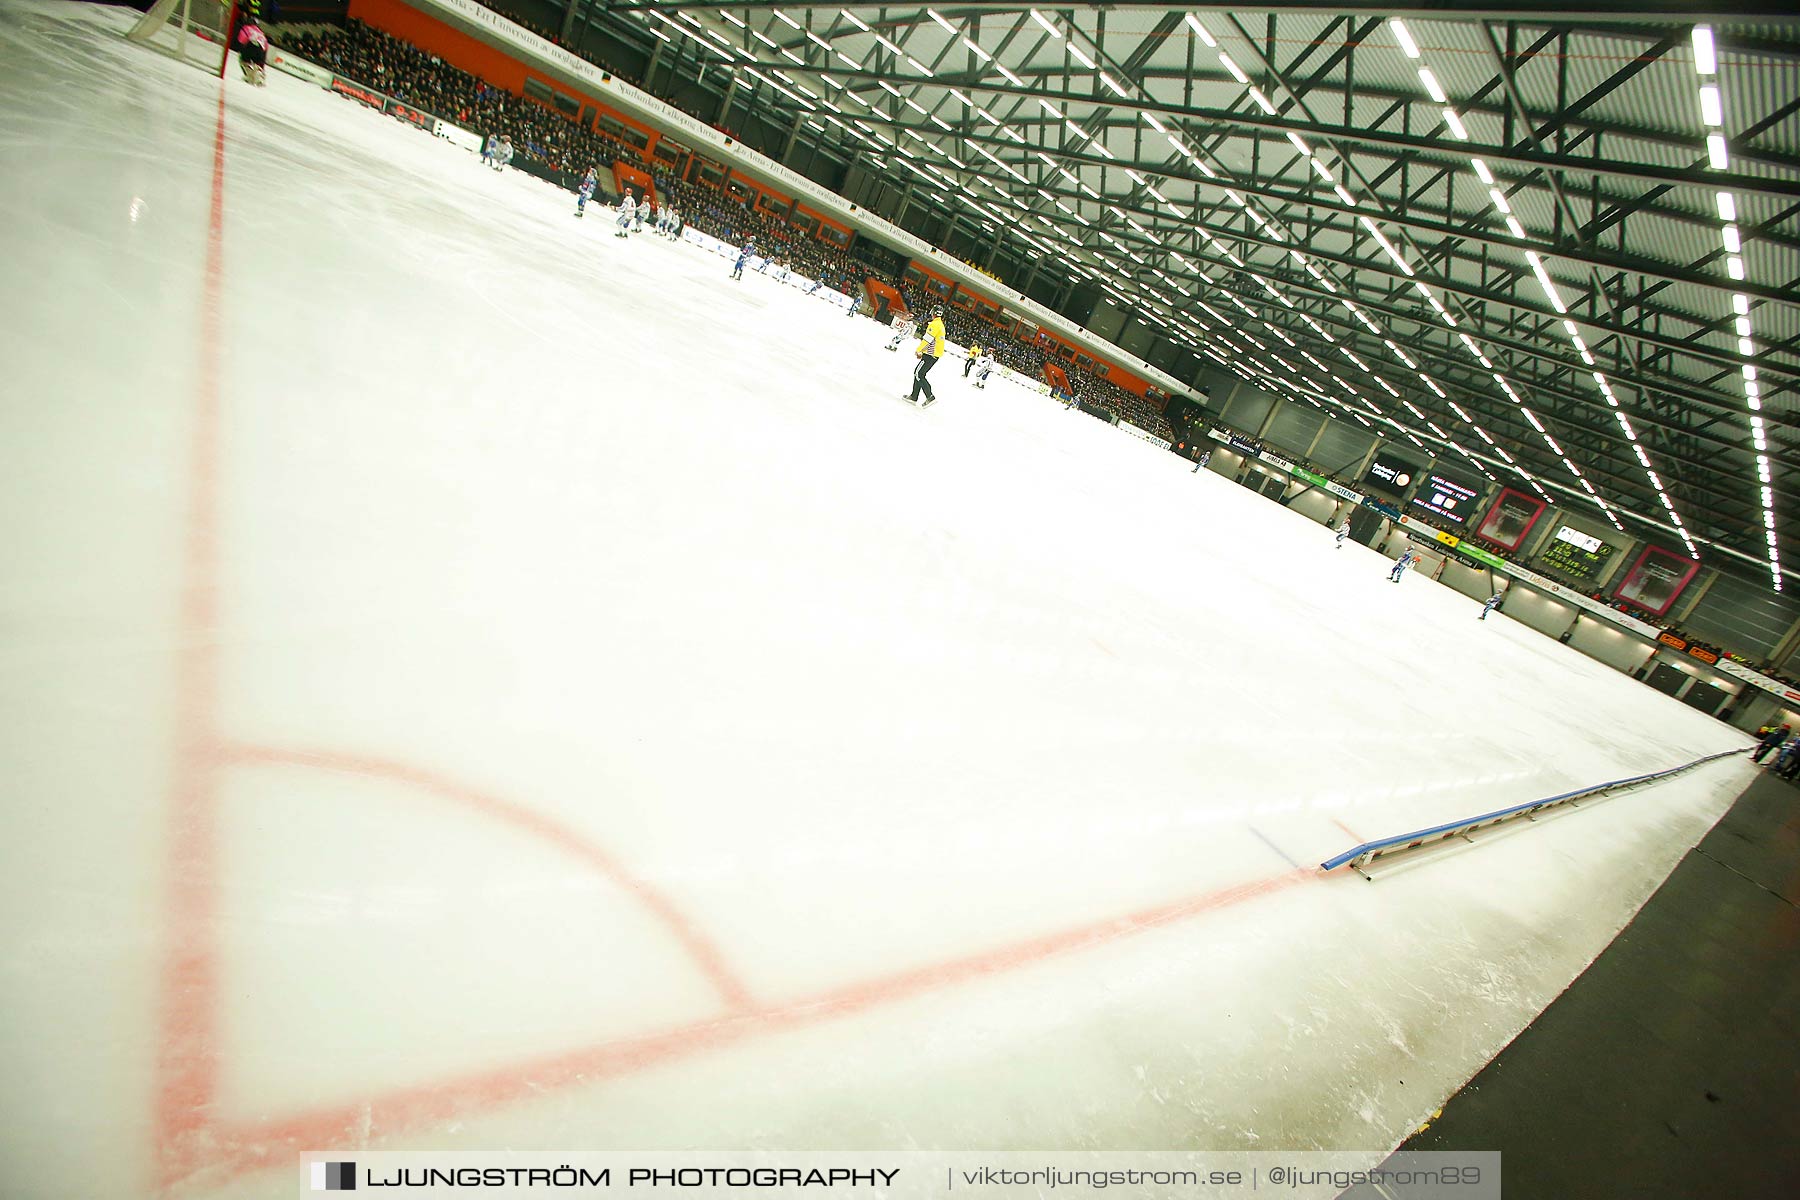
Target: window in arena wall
[[610, 126], [636, 137]]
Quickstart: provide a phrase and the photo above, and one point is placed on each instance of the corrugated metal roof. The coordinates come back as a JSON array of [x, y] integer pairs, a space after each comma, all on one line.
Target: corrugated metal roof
[[1407, 169]]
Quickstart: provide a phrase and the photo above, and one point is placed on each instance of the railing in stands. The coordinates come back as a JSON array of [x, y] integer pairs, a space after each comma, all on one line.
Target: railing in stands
[[1358, 857]]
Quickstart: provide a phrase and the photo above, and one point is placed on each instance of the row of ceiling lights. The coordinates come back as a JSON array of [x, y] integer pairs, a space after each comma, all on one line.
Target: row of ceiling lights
[[940, 179], [1712, 119]]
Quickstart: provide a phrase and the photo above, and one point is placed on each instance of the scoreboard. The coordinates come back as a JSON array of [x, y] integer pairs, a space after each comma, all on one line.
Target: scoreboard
[[1575, 554]]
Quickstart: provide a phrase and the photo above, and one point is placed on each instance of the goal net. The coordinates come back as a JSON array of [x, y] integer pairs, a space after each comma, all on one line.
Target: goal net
[[193, 31]]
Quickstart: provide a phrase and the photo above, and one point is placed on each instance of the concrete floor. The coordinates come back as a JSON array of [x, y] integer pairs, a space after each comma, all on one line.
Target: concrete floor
[[1670, 1067]]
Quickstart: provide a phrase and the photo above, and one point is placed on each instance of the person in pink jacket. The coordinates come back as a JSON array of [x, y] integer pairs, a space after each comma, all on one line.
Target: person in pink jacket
[[253, 51]]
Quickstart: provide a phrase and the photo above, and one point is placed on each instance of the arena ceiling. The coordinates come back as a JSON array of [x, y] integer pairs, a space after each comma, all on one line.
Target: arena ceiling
[[1558, 247]]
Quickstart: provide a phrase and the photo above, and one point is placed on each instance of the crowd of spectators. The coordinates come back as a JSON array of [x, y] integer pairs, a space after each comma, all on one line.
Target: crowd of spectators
[[735, 219], [407, 73], [538, 132]]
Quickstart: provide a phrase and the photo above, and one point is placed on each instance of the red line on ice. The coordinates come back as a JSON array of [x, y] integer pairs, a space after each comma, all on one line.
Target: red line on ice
[[190, 1139]]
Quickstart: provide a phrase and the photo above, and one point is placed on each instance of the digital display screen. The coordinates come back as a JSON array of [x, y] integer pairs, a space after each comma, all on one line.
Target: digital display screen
[[1511, 518], [1576, 554], [1447, 496], [1391, 474]]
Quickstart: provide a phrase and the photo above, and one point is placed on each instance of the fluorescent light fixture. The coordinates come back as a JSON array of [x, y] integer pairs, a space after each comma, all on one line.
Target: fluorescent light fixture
[[853, 19], [1432, 87], [1727, 206], [1262, 101], [1049, 27], [1712, 109], [1237, 72], [1008, 75], [1456, 126], [977, 51], [1113, 84], [1405, 38], [948, 27], [1706, 58], [1717, 156], [1076, 53]]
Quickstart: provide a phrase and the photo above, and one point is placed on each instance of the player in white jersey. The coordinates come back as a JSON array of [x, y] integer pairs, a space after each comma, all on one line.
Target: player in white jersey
[[984, 366], [903, 329], [627, 210]]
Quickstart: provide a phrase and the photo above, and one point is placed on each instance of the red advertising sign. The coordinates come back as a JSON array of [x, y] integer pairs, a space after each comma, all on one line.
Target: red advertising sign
[[1656, 579], [1510, 519]]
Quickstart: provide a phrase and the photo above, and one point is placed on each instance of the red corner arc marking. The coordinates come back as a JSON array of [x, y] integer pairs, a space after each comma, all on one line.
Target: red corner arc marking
[[707, 957], [190, 1141]]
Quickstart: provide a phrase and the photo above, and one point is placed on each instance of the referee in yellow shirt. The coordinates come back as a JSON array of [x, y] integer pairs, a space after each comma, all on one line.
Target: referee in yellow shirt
[[928, 353]]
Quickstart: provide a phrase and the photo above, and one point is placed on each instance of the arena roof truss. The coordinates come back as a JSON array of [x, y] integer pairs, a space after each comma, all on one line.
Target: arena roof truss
[[1561, 248]]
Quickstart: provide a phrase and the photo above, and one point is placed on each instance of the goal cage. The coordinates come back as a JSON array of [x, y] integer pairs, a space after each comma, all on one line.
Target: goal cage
[[193, 31]]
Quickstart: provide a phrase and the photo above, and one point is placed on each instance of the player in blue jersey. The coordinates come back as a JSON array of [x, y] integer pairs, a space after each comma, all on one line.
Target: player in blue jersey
[[744, 256], [1493, 602], [585, 192], [1409, 559]]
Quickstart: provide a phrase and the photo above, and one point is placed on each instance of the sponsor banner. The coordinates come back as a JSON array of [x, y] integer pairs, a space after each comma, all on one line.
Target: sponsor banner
[[1481, 556], [456, 135], [281, 60], [1145, 434], [695, 132], [1757, 679], [1338, 490], [411, 115], [1419, 528], [1278, 462], [356, 91], [1584, 602], [1387, 510]]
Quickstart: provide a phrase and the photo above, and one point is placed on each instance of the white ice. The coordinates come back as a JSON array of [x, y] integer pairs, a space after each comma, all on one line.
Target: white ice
[[620, 721]]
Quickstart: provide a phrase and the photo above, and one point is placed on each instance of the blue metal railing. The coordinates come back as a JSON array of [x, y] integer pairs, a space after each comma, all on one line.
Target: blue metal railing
[[1368, 851]]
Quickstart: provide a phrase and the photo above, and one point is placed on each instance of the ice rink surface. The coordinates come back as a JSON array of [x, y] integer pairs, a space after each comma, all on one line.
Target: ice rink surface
[[512, 687]]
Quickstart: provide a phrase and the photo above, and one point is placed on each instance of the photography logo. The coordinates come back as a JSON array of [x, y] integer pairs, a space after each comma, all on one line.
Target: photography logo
[[334, 1177]]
